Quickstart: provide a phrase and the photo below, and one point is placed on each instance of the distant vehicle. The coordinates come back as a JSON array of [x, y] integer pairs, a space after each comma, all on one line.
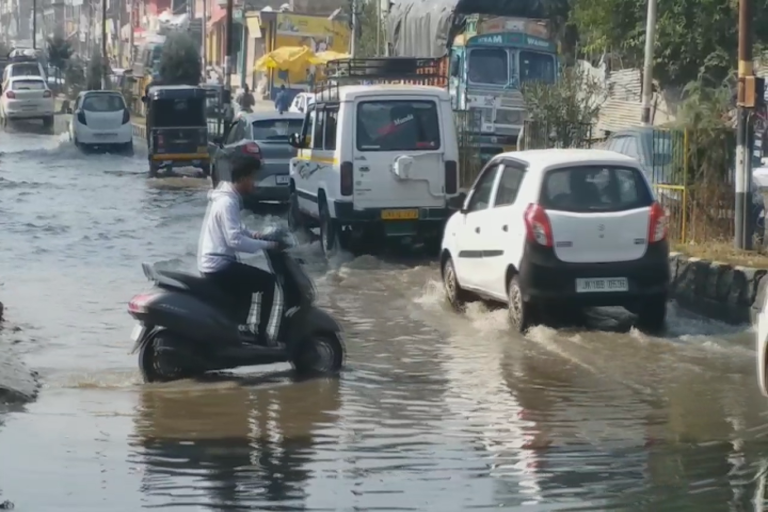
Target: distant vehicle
[[656, 154], [213, 102], [301, 101], [555, 230], [177, 129], [30, 68], [262, 137], [101, 119], [26, 97]]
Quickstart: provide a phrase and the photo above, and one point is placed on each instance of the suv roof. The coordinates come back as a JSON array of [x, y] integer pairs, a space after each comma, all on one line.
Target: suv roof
[[351, 92], [544, 158]]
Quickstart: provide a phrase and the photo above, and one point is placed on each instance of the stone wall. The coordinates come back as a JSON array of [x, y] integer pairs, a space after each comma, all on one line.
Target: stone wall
[[725, 292]]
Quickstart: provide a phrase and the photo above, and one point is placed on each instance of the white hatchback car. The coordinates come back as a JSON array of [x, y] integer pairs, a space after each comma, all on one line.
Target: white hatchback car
[[100, 119], [548, 231], [26, 97], [301, 101]]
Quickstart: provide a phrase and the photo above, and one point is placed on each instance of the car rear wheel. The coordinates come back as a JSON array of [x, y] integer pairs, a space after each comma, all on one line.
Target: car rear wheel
[[296, 221], [652, 314], [154, 169], [48, 122], [521, 313], [329, 239]]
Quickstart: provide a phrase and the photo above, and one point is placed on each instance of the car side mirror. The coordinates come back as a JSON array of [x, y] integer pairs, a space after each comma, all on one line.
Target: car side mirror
[[457, 202], [294, 140]]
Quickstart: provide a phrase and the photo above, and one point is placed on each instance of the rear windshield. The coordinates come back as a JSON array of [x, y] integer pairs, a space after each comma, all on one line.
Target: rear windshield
[[28, 85], [178, 112], [595, 189], [276, 129], [403, 125], [25, 70], [103, 103]]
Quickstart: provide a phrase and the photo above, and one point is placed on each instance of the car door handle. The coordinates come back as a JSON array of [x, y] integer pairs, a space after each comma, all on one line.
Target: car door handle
[[504, 228], [477, 230]]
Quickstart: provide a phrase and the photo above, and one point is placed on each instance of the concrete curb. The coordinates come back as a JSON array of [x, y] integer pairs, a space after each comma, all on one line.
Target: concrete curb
[[728, 293]]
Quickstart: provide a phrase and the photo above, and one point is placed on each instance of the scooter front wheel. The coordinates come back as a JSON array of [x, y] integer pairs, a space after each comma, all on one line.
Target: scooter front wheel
[[320, 353], [156, 361]]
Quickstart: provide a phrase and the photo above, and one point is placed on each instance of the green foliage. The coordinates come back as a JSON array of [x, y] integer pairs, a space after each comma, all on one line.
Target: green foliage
[[74, 78], [563, 114], [59, 51], [369, 25], [95, 71], [180, 60], [694, 38]]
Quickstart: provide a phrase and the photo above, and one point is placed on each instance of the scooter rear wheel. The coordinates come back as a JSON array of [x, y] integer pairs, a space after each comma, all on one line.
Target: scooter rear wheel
[[320, 354], [155, 362]]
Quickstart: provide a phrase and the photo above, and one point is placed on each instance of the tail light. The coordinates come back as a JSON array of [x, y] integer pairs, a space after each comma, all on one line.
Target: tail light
[[160, 140], [657, 229], [251, 148], [126, 116], [537, 226], [47, 94], [346, 179], [451, 177], [139, 303], [10, 95], [81, 118]]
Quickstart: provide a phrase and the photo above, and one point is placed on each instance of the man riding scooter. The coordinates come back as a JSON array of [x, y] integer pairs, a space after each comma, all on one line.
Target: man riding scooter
[[222, 237]]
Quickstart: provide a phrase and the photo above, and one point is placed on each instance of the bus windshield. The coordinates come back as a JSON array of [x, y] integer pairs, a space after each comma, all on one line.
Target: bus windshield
[[489, 66], [537, 67]]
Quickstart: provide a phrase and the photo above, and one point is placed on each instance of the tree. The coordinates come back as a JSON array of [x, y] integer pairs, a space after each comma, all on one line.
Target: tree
[[59, 53], [95, 71], [180, 60], [563, 114], [694, 38], [369, 28]]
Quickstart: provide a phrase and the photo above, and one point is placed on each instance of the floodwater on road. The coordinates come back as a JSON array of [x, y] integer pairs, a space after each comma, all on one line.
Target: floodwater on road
[[435, 411]]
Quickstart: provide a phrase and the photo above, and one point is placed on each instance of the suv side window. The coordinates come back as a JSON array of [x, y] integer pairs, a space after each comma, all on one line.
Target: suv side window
[[318, 128], [481, 194], [509, 186], [306, 129], [331, 118]]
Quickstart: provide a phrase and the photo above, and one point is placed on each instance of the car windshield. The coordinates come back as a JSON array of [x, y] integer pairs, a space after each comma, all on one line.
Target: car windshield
[[603, 188], [537, 67], [103, 103], [489, 66], [28, 85], [397, 125], [30, 69], [276, 129], [178, 112]]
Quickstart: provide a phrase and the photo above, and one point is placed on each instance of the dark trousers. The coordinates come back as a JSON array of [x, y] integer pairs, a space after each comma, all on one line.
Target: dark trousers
[[241, 282]]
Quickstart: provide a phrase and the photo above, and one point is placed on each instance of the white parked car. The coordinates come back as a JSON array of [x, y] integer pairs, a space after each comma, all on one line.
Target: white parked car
[[301, 101], [548, 231], [762, 348], [101, 119], [26, 97]]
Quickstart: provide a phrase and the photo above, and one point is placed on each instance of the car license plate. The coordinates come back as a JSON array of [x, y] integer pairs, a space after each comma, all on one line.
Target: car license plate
[[105, 135], [136, 336], [282, 180], [607, 284], [400, 214]]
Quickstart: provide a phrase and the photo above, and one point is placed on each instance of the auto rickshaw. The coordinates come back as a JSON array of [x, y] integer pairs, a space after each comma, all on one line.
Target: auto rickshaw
[[177, 130]]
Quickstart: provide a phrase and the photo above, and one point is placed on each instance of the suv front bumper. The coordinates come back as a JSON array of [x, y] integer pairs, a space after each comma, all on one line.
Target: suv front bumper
[[430, 221]]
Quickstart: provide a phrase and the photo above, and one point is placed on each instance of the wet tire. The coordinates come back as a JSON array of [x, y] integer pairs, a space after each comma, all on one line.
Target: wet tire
[[48, 123], [320, 354], [329, 239], [127, 149], [521, 313], [296, 221], [456, 296], [154, 170], [652, 314], [155, 360]]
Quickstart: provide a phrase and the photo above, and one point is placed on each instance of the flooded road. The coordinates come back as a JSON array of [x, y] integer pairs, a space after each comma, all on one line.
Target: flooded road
[[435, 412]]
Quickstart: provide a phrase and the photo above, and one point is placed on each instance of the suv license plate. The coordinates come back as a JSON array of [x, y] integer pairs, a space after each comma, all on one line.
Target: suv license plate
[[412, 214], [282, 180], [607, 284]]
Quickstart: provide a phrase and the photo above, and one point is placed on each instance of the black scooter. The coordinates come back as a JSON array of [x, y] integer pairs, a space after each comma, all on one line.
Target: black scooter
[[187, 325]]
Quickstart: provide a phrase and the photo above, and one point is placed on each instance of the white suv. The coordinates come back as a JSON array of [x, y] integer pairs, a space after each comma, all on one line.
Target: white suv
[[375, 163], [548, 231]]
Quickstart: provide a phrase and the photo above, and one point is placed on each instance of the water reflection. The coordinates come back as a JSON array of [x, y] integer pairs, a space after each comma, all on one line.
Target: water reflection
[[234, 444]]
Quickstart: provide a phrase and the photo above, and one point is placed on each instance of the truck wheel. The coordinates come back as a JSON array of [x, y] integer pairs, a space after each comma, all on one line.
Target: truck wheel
[[652, 314], [329, 239]]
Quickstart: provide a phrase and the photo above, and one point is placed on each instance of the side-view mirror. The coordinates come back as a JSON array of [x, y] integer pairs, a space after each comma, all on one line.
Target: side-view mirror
[[294, 140], [457, 202]]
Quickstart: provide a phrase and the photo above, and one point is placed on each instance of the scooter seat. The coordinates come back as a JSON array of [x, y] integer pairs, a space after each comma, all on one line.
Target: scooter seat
[[199, 286]]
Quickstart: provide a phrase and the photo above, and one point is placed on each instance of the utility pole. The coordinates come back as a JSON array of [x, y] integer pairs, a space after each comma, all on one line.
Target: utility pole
[[120, 18], [104, 58], [204, 52], [353, 42], [650, 41], [230, 50], [131, 39], [378, 28], [746, 102], [34, 24]]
